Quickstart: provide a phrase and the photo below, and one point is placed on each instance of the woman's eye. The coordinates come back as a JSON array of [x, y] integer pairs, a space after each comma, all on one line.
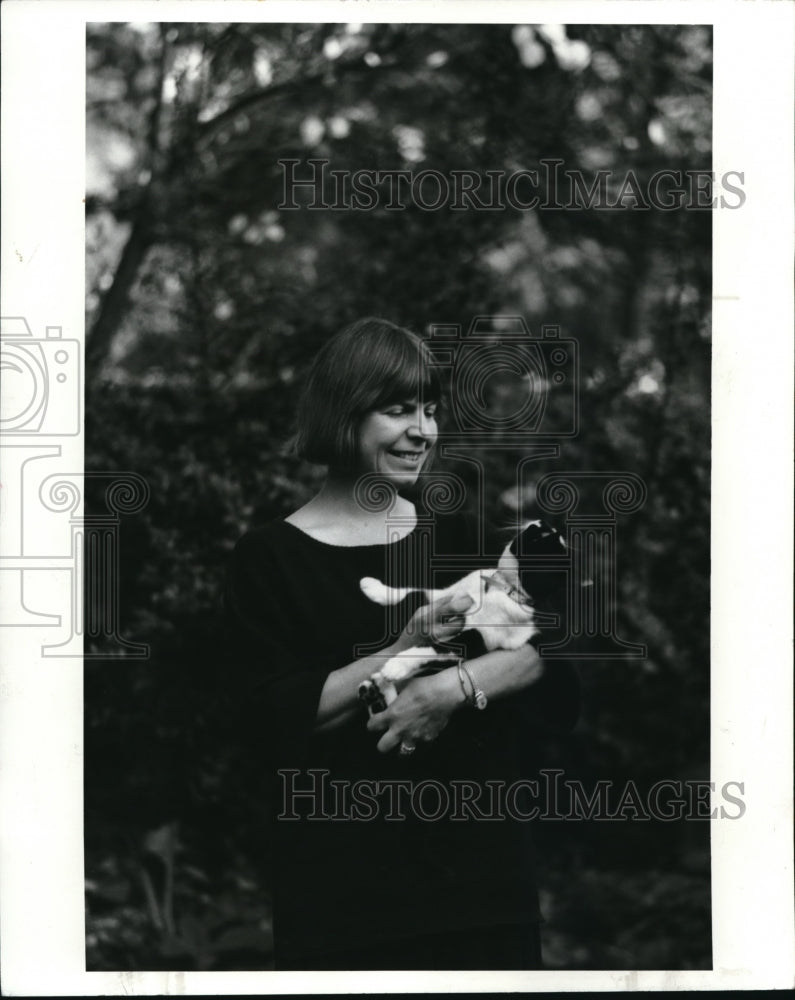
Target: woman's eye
[[404, 408]]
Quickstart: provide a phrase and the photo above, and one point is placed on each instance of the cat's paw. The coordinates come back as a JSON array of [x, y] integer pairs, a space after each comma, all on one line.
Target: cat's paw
[[405, 665], [370, 694], [377, 693]]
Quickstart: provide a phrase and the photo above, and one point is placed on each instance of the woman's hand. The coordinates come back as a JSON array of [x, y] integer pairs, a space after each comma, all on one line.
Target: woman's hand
[[424, 706], [420, 712], [339, 700], [436, 622]]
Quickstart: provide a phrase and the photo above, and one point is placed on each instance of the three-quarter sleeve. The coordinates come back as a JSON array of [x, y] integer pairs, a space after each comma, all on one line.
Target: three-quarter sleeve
[[279, 684]]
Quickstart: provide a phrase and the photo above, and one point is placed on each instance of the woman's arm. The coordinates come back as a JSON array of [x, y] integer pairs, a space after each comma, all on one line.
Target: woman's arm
[[424, 707], [339, 699]]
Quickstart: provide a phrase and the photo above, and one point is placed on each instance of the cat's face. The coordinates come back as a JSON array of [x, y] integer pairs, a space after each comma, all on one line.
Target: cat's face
[[395, 440], [524, 560]]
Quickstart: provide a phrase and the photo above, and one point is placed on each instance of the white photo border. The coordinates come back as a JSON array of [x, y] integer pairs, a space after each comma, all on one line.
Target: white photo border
[[41, 742]]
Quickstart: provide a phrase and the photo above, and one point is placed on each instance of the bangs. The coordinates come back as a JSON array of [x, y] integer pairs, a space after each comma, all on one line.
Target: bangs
[[370, 364], [400, 368]]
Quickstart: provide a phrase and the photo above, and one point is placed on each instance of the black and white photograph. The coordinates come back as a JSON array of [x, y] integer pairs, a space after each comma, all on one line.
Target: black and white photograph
[[391, 513]]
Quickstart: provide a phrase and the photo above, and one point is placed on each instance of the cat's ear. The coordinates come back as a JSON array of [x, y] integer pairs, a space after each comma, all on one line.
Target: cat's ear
[[509, 566]]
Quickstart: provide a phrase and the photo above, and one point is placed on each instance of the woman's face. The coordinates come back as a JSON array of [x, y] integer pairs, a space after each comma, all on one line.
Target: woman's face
[[394, 440]]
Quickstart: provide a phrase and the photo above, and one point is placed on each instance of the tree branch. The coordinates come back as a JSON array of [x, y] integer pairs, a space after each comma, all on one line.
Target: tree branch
[[286, 87]]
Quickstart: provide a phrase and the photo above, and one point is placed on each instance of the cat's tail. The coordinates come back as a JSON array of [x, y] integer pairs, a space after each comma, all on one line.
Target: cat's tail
[[382, 594]]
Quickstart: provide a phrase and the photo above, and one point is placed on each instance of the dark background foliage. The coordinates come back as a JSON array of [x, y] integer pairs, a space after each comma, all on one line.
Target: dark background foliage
[[205, 303]]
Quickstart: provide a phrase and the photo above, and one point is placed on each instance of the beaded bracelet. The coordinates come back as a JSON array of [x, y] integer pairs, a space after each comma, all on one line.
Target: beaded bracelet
[[474, 696]]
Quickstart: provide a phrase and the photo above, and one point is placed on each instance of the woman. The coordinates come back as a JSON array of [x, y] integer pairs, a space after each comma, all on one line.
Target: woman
[[368, 872]]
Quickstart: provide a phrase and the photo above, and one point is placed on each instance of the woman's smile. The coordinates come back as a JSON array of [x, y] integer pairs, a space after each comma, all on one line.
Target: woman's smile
[[395, 440], [412, 457]]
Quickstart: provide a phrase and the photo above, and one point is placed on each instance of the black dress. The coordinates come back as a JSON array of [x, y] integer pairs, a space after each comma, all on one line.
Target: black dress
[[377, 863]]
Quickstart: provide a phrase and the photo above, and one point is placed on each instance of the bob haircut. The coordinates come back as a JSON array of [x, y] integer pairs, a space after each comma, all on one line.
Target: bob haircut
[[370, 364]]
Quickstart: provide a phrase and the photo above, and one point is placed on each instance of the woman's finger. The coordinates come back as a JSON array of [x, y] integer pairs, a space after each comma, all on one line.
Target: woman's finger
[[452, 604], [389, 741], [377, 723], [460, 604]]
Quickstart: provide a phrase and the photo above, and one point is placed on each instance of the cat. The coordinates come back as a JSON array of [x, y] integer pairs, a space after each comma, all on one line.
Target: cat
[[503, 609]]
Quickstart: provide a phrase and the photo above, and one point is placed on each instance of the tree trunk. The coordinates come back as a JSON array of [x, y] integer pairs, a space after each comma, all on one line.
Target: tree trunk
[[115, 301]]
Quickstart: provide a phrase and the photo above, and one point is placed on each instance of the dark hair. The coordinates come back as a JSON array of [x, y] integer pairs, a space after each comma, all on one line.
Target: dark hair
[[369, 364]]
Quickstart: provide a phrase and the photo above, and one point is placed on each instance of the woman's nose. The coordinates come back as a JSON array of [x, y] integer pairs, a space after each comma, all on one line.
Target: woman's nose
[[422, 425]]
